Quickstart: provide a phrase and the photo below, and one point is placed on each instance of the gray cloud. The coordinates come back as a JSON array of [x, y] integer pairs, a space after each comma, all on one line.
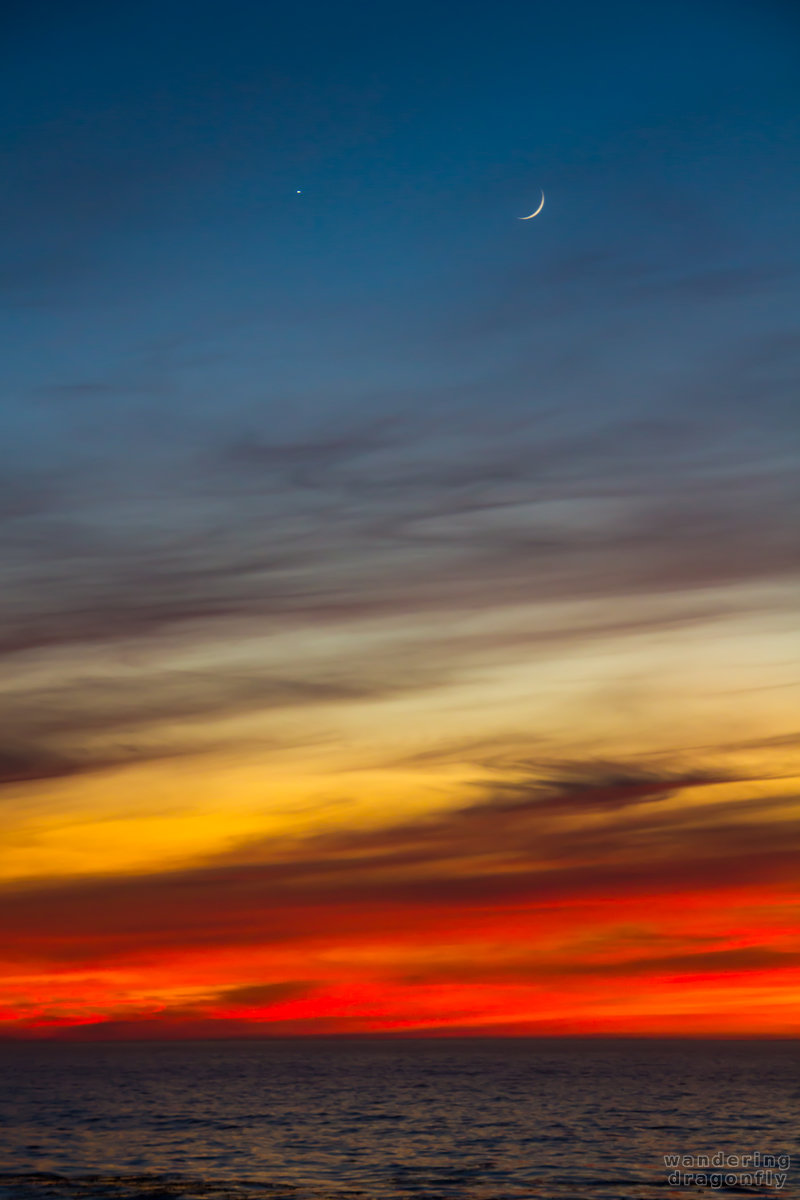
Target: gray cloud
[[388, 519], [262, 995], [32, 762], [477, 528], [22, 764]]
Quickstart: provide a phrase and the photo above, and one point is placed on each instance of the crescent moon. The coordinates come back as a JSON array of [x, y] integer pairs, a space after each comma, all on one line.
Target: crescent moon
[[535, 212]]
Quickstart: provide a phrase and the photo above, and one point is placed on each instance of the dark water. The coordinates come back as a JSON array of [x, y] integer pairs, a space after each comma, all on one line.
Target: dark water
[[459, 1120]]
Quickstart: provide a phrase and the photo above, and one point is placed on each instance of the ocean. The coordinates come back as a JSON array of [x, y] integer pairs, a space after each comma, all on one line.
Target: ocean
[[445, 1119]]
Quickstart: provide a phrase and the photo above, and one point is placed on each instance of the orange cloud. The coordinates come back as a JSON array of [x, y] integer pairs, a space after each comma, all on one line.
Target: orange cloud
[[590, 894]]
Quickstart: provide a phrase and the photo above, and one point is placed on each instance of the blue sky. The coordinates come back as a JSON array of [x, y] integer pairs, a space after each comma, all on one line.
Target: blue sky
[[281, 348]]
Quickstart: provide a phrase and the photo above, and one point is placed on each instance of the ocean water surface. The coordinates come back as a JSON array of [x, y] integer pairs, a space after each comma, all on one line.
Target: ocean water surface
[[455, 1119]]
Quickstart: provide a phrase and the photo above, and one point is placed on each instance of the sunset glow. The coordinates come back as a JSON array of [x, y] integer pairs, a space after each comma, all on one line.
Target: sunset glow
[[399, 600]]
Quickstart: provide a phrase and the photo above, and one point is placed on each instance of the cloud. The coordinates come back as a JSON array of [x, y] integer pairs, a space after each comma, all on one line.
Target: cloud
[[368, 532], [108, 713], [593, 786], [138, 698], [382, 523], [153, 512], [184, 1027], [599, 830], [262, 995], [21, 764], [689, 964], [30, 763]]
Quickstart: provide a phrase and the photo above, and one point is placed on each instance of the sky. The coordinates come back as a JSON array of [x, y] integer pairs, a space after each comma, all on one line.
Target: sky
[[399, 599]]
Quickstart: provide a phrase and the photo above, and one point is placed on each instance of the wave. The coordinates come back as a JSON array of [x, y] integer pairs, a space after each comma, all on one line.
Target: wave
[[42, 1185]]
